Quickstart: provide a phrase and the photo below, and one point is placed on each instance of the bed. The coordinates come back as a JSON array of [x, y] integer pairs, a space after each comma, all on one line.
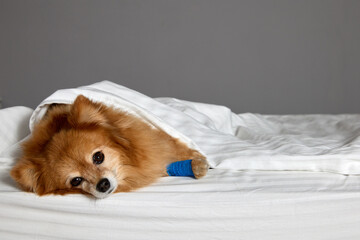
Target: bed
[[259, 194]]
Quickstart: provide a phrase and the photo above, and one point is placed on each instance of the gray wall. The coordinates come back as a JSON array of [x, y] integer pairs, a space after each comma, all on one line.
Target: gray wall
[[254, 56]]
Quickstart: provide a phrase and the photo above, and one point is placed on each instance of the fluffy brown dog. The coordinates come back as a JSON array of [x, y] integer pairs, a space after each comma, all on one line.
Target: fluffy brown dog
[[89, 148]]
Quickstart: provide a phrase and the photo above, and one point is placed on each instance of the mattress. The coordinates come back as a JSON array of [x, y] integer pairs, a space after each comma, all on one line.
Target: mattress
[[226, 204]]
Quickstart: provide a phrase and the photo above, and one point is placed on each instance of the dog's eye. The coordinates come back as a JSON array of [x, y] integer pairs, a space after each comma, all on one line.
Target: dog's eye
[[76, 181], [98, 157]]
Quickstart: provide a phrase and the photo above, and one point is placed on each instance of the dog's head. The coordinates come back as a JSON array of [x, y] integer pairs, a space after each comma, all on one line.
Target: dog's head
[[76, 149]]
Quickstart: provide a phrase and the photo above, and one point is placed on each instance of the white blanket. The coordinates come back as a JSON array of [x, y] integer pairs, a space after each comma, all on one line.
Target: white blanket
[[329, 143]]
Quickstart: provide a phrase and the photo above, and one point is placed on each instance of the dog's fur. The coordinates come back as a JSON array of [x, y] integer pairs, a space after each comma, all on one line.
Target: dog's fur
[[62, 145]]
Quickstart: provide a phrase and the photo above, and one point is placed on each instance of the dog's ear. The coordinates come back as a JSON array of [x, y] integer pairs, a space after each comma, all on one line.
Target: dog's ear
[[29, 175], [84, 111], [26, 173]]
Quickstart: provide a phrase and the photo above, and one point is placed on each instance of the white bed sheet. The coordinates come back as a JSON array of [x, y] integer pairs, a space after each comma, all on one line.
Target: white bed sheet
[[226, 204]]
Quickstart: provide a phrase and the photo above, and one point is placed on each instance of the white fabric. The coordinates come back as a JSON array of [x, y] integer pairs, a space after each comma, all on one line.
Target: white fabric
[[329, 143], [14, 123], [226, 204]]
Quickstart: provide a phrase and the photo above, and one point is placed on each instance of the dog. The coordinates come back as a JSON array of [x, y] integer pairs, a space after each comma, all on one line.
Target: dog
[[90, 148]]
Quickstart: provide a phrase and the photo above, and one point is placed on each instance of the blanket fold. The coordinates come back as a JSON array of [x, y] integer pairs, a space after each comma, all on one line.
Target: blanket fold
[[329, 143]]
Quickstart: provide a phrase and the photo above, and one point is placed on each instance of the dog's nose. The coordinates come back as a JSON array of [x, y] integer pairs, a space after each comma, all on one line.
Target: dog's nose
[[103, 185]]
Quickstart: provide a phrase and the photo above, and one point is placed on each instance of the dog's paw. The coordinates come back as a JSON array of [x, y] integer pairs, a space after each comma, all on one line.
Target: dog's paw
[[199, 167]]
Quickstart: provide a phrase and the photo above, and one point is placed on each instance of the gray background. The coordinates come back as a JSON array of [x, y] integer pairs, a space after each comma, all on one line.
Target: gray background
[[274, 57]]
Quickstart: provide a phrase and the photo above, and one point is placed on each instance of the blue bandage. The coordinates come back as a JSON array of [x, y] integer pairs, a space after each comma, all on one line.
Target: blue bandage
[[180, 168]]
